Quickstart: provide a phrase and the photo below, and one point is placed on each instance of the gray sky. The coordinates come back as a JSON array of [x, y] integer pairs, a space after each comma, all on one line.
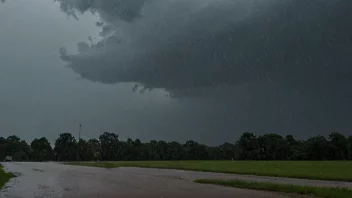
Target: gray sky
[[209, 70]]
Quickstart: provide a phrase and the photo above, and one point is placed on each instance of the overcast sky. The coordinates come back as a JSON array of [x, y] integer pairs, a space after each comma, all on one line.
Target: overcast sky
[[206, 70]]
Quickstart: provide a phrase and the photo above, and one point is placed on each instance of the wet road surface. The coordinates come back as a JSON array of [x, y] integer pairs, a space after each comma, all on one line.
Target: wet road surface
[[56, 180]]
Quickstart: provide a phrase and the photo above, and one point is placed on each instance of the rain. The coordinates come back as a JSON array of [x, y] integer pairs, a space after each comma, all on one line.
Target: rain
[[292, 55], [227, 66]]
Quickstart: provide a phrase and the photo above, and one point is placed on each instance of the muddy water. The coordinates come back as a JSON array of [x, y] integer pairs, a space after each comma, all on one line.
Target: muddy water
[[41, 180]]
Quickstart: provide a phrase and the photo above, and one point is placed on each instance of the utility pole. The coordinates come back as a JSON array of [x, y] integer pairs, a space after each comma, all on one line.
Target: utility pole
[[79, 145], [79, 132]]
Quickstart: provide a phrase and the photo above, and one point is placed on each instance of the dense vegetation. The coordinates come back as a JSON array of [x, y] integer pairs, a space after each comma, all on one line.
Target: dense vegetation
[[4, 177], [249, 147]]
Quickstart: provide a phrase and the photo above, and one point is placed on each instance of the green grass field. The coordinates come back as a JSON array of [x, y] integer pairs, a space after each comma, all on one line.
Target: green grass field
[[4, 177], [303, 190], [320, 170]]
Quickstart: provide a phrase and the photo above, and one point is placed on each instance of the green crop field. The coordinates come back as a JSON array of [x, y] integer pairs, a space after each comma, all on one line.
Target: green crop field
[[320, 170], [323, 192]]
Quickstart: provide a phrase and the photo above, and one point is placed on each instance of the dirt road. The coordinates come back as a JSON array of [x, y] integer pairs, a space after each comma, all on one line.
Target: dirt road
[[57, 180]]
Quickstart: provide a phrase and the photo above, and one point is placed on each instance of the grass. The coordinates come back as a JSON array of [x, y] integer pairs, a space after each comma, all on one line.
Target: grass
[[285, 188], [4, 177], [319, 170]]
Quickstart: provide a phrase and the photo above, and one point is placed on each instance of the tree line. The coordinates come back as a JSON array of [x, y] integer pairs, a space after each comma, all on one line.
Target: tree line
[[248, 147]]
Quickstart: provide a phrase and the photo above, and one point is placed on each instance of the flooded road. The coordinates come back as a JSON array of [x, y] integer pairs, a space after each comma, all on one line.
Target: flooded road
[[56, 180]]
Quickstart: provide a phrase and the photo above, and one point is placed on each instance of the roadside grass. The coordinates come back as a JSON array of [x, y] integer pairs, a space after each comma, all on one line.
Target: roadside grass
[[285, 188], [4, 176], [318, 170]]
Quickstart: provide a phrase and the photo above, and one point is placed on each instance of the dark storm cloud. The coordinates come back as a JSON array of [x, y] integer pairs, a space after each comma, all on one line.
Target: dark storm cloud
[[109, 10], [180, 44], [259, 65]]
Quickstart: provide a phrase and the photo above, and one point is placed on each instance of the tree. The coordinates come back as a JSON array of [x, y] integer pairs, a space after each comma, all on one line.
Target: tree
[[109, 143], [226, 151], [132, 150], [152, 150], [190, 148], [3, 148], [13, 145], [317, 148], [94, 145], [350, 147], [19, 150], [89, 149], [272, 147], [126, 150], [66, 147], [25, 151], [41, 150], [176, 151], [293, 148], [338, 146], [249, 146], [84, 152]]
